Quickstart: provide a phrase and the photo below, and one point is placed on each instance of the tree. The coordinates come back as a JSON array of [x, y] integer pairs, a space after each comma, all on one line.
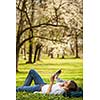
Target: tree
[[23, 23], [20, 22], [37, 51], [50, 19], [31, 32]]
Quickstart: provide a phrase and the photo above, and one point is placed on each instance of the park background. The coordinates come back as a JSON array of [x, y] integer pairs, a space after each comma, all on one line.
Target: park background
[[49, 36], [91, 57]]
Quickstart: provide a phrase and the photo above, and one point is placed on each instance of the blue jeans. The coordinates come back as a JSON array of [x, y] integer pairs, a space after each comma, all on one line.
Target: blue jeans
[[38, 81]]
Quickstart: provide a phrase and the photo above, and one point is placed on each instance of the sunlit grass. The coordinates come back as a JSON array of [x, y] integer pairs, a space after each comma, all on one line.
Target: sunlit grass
[[71, 69]]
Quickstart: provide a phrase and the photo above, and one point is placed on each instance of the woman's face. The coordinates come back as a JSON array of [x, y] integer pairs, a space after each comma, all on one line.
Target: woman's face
[[68, 85]]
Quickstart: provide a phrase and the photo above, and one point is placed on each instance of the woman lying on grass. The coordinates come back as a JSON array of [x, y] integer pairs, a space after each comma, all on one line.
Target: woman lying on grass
[[40, 86]]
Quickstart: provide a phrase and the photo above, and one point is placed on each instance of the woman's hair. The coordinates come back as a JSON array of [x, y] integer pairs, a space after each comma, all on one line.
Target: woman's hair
[[73, 86]]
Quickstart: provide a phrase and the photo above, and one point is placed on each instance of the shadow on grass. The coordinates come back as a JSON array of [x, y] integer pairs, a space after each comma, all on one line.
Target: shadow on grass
[[70, 58], [38, 64], [22, 72], [52, 64], [22, 64], [26, 63]]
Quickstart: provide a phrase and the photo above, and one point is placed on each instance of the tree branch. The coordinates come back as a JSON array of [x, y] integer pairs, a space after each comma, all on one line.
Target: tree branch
[[41, 37], [24, 41], [43, 24]]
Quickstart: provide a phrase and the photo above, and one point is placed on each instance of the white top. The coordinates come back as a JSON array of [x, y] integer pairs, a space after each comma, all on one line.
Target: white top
[[56, 89]]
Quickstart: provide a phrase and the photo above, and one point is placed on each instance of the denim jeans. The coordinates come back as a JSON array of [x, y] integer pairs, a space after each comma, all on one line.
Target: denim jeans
[[38, 81]]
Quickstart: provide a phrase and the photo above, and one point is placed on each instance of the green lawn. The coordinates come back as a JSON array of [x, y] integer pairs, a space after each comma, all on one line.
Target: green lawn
[[71, 69]]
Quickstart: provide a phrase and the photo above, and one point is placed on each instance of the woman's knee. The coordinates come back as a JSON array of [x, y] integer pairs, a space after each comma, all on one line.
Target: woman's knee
[[31, 71]]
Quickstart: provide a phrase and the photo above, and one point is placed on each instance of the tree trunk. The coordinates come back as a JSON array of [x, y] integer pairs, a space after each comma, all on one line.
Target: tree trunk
[[63, 54], [30, 52], [36, 50], [17, 58], [24, 52], [51, 52], [51, 55], [76, 47], [72, 50], [46, 50], [31, 32], [57, 55], [39, 54]]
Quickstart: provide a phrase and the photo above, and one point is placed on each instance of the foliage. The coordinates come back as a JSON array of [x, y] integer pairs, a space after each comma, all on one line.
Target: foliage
[[53, 20]]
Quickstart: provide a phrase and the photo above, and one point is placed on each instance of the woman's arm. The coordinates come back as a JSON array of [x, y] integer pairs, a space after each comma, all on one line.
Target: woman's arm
[[59, 80], [51, 84], [49, 88]]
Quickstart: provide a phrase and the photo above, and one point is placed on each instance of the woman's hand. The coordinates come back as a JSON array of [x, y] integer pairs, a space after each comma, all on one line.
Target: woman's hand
[[51, 84], [52, 78]]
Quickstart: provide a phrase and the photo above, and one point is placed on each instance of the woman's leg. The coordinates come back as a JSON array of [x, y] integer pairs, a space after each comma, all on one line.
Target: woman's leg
[[29, 88], [33, 75]]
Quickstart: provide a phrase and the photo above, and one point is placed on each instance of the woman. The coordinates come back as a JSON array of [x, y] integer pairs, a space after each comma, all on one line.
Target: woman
[[59, 88]]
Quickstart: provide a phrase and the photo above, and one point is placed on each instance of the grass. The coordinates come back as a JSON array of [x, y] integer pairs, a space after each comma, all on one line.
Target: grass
[[71, 69], [31, 96]]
